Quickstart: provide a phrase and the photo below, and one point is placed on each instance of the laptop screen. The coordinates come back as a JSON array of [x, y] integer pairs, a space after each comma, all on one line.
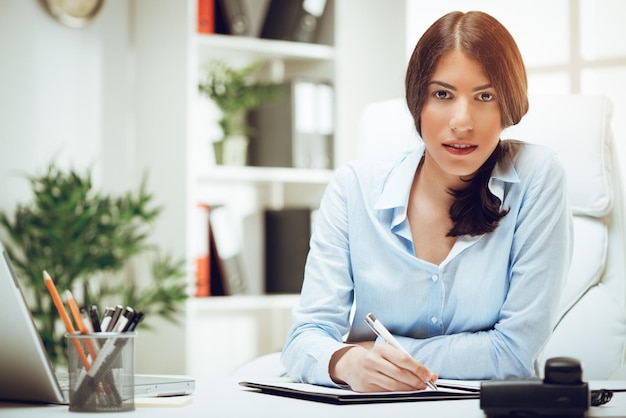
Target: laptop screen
[[27, 374]]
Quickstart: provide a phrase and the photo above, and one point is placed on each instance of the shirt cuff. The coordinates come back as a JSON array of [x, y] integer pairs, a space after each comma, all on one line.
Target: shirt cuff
[[325, 378]]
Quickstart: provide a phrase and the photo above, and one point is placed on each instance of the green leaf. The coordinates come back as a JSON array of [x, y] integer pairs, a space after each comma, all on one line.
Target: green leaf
[[86, 240], [235, 92]]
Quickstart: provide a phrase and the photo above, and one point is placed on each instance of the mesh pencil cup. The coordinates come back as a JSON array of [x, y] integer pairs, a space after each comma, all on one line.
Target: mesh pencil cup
[[101, 368]]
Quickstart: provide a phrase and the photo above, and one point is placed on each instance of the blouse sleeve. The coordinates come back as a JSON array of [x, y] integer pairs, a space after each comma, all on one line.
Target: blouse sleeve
[[322, 317]]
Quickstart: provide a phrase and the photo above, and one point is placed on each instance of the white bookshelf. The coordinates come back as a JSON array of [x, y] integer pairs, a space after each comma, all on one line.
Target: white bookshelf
[[364, 65], [262, 175], [230, 331], [228, 47]]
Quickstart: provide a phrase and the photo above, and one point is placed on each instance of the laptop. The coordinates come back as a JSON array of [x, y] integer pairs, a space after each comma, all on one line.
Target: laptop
[[26, 373]]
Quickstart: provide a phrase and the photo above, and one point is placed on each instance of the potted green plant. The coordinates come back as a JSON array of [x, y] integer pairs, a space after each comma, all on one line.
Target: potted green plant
[[235, 92], [89, 243]]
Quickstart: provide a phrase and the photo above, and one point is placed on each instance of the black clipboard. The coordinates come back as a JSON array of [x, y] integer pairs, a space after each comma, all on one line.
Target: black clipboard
[[338, 397]]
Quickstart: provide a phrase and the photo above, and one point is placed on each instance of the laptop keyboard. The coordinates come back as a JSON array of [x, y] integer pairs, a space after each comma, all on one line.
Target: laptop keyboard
[[64, 380]]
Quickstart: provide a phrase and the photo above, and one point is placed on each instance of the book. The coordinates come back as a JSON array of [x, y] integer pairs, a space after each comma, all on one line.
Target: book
[[297, 130], [206, 16], [225, 249], [448, 390], [217, 253], [232, 17], [215, 270], [202, 251], [293, 20], [287, 235]]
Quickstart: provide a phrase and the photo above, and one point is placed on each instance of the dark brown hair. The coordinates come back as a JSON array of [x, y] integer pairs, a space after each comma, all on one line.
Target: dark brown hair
[[475, 210]]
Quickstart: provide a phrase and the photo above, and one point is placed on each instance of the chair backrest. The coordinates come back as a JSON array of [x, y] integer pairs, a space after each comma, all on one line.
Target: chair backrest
[[592, 319]]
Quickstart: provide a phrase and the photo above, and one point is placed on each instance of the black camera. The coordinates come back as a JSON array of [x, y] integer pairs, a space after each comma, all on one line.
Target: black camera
[[561, 393]]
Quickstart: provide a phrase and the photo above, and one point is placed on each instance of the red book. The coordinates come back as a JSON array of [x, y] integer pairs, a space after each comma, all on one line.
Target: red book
[[206, 16], [203, 252]]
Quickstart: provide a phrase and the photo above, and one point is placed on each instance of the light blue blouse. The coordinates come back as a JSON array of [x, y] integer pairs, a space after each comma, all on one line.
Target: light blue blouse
[[485, 312]]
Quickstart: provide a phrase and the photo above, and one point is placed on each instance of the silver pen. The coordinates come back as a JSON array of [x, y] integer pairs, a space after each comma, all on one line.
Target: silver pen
[[383, 333]]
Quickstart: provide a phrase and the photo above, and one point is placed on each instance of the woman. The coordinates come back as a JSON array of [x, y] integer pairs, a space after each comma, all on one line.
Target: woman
[[459, 247]]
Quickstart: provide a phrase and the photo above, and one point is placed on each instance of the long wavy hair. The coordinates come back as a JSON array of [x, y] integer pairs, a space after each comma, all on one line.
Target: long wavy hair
[[475, 210]]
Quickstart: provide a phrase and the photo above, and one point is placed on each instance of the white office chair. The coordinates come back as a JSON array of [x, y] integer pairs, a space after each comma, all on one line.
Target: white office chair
[[592, 320]]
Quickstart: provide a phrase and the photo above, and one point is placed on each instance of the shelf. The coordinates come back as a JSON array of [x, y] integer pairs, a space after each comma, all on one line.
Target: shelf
[[243, 302], [261, 175], [226, 332], [229, 47]]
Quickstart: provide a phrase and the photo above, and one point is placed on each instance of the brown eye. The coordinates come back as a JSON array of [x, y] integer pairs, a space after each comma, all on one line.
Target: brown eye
[[441, 94], [485, 97]]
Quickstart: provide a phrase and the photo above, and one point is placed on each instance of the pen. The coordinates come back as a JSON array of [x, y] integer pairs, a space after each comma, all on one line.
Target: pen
[[132, 323], [114, 318], [86, 320], [94, 318], [126, 316], [106, 318], [380, 330]]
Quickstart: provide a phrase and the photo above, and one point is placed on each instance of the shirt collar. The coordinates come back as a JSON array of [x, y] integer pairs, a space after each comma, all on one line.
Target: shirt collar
[[503, 172], [398, 185]]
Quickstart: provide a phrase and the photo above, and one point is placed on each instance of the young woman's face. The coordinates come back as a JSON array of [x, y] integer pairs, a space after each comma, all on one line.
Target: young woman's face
[[460, 120]]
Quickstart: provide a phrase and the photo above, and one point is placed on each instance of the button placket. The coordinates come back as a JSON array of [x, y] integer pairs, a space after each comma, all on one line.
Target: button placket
[[434, 304]]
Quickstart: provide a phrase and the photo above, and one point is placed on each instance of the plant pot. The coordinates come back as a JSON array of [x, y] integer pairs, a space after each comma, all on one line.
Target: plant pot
[[232, 150]]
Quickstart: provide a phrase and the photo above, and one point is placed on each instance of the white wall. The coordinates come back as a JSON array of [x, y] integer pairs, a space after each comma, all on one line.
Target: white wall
[[538, 26], [370, 62], [160, 41], [69, 96], [62, 92]]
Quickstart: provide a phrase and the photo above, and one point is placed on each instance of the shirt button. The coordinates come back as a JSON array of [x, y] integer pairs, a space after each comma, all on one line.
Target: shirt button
[[434, 277], [433, 319]]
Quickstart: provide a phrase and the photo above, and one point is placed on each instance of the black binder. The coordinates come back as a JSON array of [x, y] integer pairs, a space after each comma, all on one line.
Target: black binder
[[346, 397], [295, 131], [232, 17], [287, 235], [294, 20]]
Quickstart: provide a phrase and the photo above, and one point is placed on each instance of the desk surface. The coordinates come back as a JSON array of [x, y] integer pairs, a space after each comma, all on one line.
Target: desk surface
[[224, 398]]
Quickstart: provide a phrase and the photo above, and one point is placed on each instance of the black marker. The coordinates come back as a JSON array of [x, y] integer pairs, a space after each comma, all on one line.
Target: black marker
[[125, 317], [131, 325], [95, 318]]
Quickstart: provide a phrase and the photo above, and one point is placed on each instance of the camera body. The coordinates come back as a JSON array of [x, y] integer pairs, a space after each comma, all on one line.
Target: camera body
[[561, 393]]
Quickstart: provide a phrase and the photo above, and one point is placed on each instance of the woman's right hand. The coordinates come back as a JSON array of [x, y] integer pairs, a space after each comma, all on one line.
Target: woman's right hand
[[369, 367]]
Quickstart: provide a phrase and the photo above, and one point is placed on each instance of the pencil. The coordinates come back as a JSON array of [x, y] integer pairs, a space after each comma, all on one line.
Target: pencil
[[63, 314], [82, 328]]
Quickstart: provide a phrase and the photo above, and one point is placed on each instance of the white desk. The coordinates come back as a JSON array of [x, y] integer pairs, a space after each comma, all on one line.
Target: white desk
[[224, 398]]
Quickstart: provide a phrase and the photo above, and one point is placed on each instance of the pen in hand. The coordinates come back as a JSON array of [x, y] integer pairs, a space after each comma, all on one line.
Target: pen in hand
[[380, 330]]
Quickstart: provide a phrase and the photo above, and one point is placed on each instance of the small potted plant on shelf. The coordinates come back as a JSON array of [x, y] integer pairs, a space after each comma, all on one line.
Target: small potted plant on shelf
[[235, 92], [91, 244]]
